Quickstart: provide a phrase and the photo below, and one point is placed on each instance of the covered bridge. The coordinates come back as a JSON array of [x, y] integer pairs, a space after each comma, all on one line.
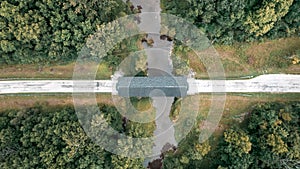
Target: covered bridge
[[143, 86]]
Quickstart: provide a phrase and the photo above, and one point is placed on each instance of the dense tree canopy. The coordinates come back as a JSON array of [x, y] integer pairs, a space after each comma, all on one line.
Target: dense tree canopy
[[239, 20], [51, 30], [264, 16], [41, 138], [270, 140]]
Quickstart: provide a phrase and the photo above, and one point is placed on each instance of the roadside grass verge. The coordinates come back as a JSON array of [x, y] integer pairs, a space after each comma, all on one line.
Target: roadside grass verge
[[236, 104], [48, 71], [256, 58], [23, 101]]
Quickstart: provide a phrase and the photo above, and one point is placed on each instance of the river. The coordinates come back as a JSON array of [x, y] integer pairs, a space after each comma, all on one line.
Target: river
[[159, 63]]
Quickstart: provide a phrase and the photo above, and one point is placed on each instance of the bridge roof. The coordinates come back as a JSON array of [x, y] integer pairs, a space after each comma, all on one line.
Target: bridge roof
[[143, 86], [150, 82]]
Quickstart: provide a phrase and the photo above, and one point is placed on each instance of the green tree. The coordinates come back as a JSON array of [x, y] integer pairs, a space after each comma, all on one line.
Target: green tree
[[235, 152], [119, 162], [226, 21], [265, 14]]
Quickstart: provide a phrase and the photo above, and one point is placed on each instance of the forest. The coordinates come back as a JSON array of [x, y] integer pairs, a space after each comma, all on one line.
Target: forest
[[51, 31], [44, 137], [229, 21]]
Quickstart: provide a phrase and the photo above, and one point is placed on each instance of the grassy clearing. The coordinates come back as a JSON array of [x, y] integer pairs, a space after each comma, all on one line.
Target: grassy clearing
[[241, 104], [47, 72], [255, 58], [235, 103], [8, 102], [25, 101]]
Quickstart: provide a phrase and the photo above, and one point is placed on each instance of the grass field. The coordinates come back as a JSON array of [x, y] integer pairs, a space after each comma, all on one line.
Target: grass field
[[236, 104], [47, 72], [245, 59], [28, 100]]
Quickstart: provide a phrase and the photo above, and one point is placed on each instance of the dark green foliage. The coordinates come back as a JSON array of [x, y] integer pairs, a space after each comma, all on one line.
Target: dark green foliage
[[51, 30], [275, 131], [272, 139], [235, 151], [227, 21], [43, 139], [289, 25], [40, 138]]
